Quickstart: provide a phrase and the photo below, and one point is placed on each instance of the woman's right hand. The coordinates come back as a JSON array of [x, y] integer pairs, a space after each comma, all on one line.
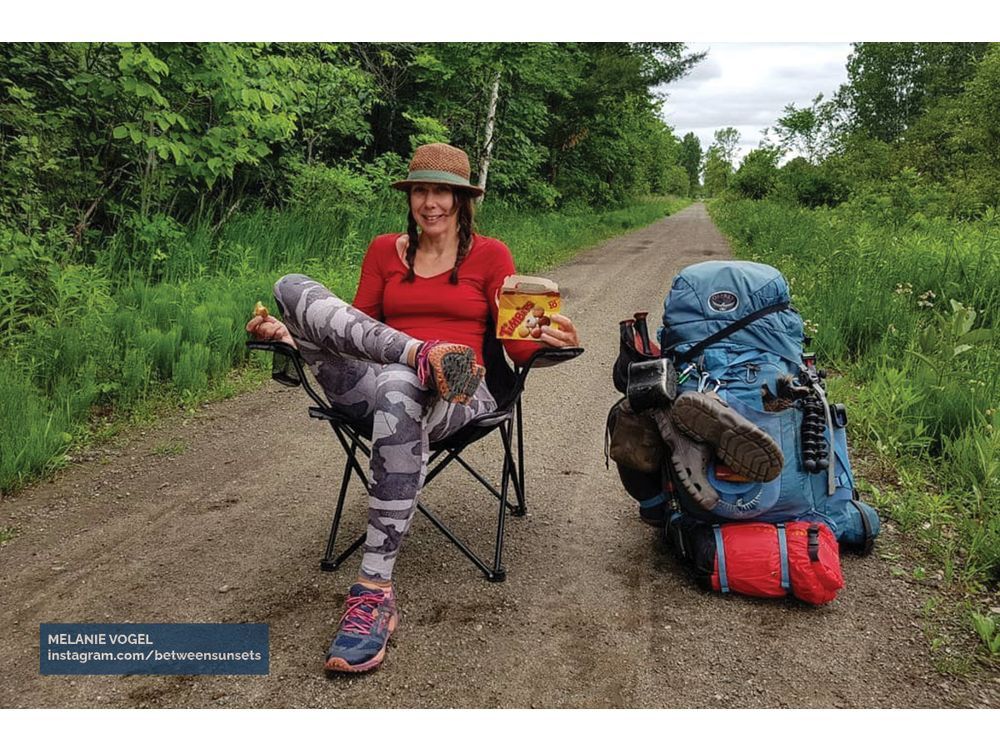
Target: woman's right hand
[[269, 328]]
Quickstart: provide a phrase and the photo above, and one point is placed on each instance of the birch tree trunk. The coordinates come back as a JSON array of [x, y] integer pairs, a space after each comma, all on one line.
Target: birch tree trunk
[[487, 150]]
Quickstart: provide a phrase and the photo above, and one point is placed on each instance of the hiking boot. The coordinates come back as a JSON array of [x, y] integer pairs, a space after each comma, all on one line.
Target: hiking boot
[[364, 631], [689, 459], [739, 443], [450, 369]]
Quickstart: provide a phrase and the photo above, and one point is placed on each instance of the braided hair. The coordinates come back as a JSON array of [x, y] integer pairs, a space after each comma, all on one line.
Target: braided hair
[[466, 226]]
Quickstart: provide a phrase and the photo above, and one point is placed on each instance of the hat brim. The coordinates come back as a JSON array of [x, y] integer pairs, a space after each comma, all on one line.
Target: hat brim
[[437, 178]]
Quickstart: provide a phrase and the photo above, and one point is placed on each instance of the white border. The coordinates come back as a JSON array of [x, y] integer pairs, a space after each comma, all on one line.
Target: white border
[[511, 20]]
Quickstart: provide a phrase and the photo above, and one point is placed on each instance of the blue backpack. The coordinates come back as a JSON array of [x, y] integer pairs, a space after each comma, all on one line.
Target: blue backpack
[[729, 326]]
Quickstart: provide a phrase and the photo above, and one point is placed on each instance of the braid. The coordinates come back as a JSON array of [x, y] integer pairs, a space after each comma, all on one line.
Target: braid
[[411, 249], [466, 226]]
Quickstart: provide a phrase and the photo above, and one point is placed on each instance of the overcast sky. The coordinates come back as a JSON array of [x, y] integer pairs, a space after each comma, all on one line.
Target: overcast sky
[[747, 86]]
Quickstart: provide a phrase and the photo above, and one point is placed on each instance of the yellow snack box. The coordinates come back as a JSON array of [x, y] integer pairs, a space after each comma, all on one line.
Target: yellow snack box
[[526, 303]]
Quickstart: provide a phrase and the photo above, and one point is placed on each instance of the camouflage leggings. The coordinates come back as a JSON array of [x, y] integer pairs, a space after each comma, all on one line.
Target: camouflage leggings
[[361, 365]]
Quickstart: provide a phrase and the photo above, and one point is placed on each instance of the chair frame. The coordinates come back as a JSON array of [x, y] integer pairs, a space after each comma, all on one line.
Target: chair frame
[[355, 435]]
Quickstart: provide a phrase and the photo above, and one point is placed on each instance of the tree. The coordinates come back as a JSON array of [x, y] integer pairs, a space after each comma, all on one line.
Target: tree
[[717, 171], [727, 141], [891, 84], [811, 131], [690, 159], [758, 173]]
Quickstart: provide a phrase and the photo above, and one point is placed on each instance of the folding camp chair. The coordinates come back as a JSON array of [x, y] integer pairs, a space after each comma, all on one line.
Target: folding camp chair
[[354, 435]]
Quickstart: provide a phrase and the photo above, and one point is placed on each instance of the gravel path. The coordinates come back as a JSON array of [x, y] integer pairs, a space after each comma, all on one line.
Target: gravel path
[[594, 613]]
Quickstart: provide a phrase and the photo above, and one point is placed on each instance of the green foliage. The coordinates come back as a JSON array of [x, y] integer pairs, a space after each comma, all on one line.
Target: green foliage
[[806, 184], [988, 630], [891, 84], [758, 173], [812, 130], [690, 159], [718, 172]]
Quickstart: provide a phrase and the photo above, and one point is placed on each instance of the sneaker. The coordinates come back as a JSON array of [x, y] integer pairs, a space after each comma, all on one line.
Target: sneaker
[[364, 631], [689, 459], [450, 369], [738, 442]]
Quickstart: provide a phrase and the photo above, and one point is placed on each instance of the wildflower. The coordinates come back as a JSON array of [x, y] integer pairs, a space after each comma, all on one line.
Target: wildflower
[[905, 288], [892, 329]]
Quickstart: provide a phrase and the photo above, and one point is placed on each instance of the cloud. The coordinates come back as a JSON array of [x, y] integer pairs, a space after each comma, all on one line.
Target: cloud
[[747, 86], [706, 70]]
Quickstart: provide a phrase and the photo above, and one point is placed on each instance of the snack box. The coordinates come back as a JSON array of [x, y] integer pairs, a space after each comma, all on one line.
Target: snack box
[[526, 303]]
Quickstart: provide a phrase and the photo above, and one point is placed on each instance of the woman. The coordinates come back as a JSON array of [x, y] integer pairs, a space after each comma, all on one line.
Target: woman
[[384, 356]]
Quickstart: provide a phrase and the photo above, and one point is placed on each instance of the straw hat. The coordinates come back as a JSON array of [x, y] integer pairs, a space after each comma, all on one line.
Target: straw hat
[[441, 164]]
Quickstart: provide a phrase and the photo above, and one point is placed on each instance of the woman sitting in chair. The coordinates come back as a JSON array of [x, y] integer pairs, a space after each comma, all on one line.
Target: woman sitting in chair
[[410, 352]]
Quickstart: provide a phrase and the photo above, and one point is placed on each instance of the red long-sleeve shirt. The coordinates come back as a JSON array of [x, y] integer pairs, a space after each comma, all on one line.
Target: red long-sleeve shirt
[[432, 307]]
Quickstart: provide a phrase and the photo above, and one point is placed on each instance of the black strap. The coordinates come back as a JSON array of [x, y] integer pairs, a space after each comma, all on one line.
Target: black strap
[[813, 546], [730, 329], [865, 523]]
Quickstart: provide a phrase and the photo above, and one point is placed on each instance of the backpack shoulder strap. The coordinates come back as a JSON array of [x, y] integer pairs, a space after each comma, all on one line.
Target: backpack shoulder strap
[[729, 330]]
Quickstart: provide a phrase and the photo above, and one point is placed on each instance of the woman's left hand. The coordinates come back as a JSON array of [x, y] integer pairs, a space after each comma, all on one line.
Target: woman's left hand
[[565, 335]]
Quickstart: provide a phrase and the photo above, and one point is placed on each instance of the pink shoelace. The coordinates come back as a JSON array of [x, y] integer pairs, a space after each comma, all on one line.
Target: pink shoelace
[[423, 365], [360, 615]]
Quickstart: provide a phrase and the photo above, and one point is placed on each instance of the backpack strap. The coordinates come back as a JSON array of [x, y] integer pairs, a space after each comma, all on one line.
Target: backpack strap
[[869, 536], [692, 353], [720, 553], [783, 554]]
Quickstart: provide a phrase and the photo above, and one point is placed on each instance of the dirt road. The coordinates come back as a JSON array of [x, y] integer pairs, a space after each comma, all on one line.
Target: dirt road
[[594, 613]]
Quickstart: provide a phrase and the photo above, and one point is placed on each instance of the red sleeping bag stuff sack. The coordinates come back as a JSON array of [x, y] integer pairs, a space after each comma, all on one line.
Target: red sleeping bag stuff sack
[[774, 560], [800, 558]]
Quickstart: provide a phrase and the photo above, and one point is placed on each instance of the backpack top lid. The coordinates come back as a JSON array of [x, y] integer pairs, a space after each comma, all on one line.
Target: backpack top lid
[[706, 297]]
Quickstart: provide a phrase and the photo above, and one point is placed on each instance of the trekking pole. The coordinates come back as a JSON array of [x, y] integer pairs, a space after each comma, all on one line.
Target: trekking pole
[[627, 332], [643, 331]]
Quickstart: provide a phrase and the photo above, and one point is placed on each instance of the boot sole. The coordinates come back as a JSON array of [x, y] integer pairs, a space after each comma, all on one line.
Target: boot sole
[[706, 497], [690, 463], [741, 444], [456, 374]]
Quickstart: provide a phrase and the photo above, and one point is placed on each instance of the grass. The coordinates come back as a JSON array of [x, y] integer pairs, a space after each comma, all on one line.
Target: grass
[[173, 447], [91, 348]]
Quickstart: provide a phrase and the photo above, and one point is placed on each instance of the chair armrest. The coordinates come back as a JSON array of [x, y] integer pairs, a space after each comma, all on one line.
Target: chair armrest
[[286, 363], [551, 356], [279, 347]]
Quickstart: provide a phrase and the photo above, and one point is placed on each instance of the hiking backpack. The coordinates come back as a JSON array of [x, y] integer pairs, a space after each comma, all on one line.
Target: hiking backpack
[[729, 326]]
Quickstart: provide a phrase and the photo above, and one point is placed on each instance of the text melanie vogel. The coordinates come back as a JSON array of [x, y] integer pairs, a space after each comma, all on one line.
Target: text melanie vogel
[[99, 639]]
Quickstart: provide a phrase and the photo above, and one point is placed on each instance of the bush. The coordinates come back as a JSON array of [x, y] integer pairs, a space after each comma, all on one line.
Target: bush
[[810, 185], [338, 190], [758, 173]]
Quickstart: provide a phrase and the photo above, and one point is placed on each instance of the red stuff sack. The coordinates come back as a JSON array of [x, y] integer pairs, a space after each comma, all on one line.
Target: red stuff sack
[[800, 558], [774, 560]]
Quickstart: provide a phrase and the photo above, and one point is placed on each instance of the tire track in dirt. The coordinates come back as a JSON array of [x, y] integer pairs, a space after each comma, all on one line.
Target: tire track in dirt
[[594, 611]]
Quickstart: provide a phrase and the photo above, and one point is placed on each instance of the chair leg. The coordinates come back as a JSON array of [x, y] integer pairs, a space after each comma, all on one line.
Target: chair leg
[[519, 466], [508, 460], [329, 563]]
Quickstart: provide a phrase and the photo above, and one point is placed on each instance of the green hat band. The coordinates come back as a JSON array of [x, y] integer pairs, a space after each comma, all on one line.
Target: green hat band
[[434, 175]]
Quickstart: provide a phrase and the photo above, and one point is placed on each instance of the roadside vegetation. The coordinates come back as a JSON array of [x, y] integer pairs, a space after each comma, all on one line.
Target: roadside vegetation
[[887, 226], [150, 194]]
